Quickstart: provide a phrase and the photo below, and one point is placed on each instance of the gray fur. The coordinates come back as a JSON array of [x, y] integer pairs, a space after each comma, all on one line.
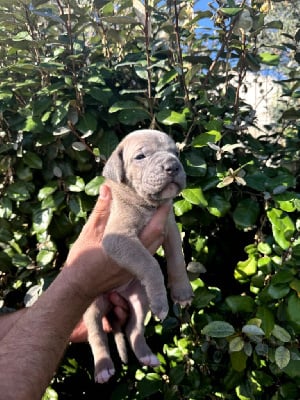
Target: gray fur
[[143, 172]]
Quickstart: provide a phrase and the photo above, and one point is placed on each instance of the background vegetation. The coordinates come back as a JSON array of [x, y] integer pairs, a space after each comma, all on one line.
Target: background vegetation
[[75, 77]]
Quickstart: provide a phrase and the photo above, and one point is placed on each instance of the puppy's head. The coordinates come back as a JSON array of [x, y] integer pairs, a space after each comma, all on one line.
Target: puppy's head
[[147, 161]]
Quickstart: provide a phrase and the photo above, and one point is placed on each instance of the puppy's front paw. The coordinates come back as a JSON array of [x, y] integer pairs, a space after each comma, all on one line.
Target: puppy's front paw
[[150, 360], [182, 295], [104, 370]]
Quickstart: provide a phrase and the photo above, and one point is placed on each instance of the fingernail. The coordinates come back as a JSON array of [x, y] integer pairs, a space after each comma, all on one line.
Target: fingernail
[[103, 191]]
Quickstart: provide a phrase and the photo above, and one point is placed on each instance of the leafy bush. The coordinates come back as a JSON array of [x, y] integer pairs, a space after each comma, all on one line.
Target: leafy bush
[[76, 77]]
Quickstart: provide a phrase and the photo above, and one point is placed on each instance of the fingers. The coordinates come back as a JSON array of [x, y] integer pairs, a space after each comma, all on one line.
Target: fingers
[[119, 313], [118, 301], [152, 235]]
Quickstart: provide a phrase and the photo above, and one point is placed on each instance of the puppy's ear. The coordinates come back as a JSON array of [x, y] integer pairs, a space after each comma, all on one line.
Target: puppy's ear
[[114, 168]]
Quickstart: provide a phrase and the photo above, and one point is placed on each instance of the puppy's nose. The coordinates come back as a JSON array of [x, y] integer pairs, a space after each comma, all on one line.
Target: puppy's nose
[[171, 167]]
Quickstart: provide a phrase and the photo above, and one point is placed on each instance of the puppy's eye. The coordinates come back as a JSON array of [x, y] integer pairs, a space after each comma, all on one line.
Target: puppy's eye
[[139, 156]]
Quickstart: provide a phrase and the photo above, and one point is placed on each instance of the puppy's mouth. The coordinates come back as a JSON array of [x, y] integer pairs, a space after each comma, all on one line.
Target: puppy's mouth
[[170, 191]]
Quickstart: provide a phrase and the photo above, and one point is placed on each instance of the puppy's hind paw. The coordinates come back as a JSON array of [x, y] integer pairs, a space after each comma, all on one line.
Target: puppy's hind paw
[[161, 313], [150, 360], [182, 295], [104, 375], [160, 308]]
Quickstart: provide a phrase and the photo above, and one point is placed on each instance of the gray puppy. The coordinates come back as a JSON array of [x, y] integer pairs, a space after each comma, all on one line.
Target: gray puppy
[[143, 172]]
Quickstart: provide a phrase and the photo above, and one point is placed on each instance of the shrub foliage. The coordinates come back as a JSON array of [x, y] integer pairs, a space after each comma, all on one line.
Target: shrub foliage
[[76, 77]]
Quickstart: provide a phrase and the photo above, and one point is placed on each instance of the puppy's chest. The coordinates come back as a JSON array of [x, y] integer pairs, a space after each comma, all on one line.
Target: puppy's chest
[[128, 212]]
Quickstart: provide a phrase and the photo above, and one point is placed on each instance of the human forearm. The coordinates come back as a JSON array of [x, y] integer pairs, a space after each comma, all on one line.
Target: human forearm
[[31, 351], [8, 320]]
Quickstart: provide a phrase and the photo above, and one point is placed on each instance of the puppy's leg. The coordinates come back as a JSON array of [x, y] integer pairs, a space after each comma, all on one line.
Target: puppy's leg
[[180, 287], [104, 367], [138, 304], [132, 255]]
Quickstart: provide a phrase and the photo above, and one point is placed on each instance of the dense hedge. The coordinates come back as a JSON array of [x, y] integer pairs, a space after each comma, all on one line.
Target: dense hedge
[[76, 77]]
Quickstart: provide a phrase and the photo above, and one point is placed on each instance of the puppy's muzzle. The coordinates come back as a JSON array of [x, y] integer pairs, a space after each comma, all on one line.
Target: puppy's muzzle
[[171, 167]]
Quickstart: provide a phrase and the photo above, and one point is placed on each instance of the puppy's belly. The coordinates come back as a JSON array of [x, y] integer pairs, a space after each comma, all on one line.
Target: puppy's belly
[[131, 289]]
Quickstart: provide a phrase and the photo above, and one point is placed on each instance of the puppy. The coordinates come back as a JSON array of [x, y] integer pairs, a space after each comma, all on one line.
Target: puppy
[[143, 172]]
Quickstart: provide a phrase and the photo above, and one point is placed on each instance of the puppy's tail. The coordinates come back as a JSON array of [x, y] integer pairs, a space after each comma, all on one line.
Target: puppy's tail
[[120, 343]]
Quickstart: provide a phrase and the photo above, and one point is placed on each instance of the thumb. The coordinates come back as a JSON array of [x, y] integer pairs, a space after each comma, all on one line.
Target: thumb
[[100, 213]]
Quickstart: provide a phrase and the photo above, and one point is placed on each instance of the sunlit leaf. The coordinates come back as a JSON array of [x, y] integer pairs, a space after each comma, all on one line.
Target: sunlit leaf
[[194, 196], [93, 186], [169, 117], [245, 269], [204, 138]]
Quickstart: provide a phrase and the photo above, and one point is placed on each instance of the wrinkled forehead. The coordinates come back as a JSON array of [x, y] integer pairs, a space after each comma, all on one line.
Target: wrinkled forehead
[[149, 142]]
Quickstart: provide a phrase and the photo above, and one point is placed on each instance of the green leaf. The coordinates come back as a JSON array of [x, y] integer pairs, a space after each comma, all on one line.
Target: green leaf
[[5, 95], [218, 329], [246, 213], [53, 201], [107, 143], [33, 124], [202, 298], [218, 206], [267, 318], [281, 334], [293, 308], [50, 394], [238, 360], [18, 191], [87, 123], [194, 196], [21, 260], [119, 19], [176, 374], [124, 105], [47, 190], [6, 207], [282, 227], [33, 160], [286, 201], [93, 186], [75, 183], [264, 248], [230, 11], [252, 330], [166, 78], [274, 25], [194, 164], [291, 114], [282, 276], [236, 344], [41, 220], [245, 269], [102, 95], [282, 357], [150, 385], [181, 207], [212, 136], [169, 117], [240, 303], [133, 116], [45, 257], [269, 58]]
